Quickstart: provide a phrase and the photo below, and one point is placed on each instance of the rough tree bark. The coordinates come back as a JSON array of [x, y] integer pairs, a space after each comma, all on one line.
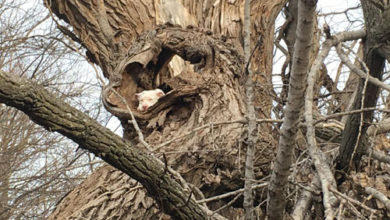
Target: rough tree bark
[[44, 109], [123, 38]]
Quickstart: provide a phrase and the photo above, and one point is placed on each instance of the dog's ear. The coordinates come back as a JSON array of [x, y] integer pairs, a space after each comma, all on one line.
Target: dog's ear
[[160, 93]]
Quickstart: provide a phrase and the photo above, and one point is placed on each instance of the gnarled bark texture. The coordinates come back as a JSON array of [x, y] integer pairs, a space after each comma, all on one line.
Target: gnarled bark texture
[[128, 40]]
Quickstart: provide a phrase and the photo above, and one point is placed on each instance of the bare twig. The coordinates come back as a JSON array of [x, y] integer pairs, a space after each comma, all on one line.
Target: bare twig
[[303, 204], [214, 124], [219, 197], [73, 39], [367, 76], [360, 72], [337, 79], [228, 204], [361, 110], [380, 128], [325, 174], [309, 189], [133, 121], [340, 12], [242, 121], [340, 210], [353, 201]]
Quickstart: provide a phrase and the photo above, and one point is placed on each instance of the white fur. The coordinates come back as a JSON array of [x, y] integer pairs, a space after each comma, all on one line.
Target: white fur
[[148, 98]]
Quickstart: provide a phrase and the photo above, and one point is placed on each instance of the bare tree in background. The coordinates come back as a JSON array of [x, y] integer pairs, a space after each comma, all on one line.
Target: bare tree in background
[[37, 167], [184, 158]]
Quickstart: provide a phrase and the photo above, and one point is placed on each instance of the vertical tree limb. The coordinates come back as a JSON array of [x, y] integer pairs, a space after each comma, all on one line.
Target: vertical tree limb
[[294, 107], [252, 126]]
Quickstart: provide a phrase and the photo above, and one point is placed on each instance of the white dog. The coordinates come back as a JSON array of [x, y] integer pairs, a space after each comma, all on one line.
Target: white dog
[[148, 98]]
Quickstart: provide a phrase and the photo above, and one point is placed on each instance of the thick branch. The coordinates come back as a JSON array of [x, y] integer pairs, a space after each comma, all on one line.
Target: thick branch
[[55, 115], [379, 195], [300, 67]]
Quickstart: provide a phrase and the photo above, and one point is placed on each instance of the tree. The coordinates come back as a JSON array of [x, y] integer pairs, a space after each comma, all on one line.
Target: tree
[[36, 166], [189, 146]]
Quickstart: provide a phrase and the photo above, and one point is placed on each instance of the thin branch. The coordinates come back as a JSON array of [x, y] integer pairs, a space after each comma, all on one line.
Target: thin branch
[[303, 204], [309, 189], [215, 124], [367, 76], [380, 128], [325, 174], [340, 210], [353, 201], [358, 111], [133, 121], [323, 170], [340, 12], [252, 126], [219, 197], [229, 203], [360, 72], [198, 129]]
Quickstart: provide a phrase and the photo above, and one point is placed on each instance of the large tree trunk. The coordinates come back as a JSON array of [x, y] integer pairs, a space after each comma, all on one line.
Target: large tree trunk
[[124, 39]]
